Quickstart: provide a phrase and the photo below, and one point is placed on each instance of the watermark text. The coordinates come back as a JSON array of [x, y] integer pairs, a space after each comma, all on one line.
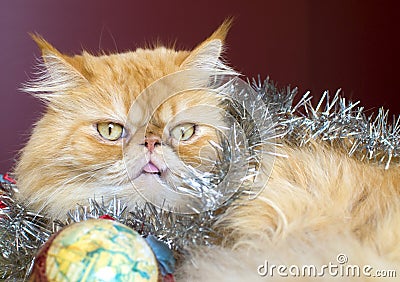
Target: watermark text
[[339, 268]]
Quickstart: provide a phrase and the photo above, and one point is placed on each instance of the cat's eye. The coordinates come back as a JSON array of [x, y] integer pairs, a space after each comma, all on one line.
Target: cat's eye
[[110, 130], [183, 132]]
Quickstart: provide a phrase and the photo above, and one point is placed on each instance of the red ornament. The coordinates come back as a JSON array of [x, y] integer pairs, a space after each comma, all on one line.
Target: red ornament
[[106, 216], [9, 179], [39, 270], [168, 278], [2, 205]]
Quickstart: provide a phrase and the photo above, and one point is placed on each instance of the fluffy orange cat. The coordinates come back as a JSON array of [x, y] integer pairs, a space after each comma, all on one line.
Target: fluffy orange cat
[[318, 206]]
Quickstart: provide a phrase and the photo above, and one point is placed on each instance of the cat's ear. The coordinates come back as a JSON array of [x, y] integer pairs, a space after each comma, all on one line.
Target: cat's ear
[[207, 55], [61, 71]]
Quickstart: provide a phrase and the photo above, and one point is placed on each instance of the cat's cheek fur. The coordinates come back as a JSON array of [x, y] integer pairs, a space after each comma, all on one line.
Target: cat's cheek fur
[[198, 151]]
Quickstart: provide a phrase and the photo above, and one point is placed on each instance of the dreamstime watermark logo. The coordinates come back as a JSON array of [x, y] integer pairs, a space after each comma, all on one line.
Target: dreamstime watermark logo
[[340, 268]]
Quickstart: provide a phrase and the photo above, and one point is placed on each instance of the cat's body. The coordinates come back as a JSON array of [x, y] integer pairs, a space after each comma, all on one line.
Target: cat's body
[[317, 203]]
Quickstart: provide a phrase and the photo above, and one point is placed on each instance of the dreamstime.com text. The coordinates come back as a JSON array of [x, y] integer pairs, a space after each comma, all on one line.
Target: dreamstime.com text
[[340, 268]]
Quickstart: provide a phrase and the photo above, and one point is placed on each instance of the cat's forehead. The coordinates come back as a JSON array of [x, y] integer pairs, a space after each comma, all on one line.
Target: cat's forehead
[[138, 68], [145, 86], [192, 106], [116, 81]]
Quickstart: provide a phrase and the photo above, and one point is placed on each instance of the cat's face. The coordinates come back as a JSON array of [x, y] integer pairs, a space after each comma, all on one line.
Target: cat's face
[[120, 125]]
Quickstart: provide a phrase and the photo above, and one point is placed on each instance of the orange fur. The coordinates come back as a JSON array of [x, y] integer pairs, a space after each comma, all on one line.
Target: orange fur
[[318, 202]]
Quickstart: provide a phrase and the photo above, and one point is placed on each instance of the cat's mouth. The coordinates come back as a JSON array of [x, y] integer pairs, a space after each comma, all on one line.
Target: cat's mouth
[[151, 168]]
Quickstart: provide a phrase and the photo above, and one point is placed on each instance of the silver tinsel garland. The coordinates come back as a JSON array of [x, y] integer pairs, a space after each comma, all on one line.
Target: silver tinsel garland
[[337, 121], [374, 138]]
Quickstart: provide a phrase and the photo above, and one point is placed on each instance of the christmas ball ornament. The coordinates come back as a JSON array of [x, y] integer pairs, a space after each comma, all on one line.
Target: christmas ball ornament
[[96, 250]]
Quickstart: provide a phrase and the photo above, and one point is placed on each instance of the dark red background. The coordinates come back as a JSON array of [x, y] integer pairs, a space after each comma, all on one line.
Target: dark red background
[[314, 45]]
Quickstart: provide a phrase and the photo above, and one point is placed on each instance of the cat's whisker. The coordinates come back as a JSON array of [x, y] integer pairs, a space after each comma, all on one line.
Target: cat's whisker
[[94, 170], [50, 197], [49, 165], [101, 37]]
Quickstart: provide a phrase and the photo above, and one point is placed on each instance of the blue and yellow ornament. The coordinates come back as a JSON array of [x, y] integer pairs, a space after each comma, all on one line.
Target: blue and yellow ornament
[[96, 250]]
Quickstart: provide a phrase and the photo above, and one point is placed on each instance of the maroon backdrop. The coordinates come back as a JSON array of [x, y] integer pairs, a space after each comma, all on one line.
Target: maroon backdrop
[[314, 45]]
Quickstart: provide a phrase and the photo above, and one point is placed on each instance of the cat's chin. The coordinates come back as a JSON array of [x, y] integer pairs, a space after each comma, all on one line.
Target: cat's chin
[[157, 189], [151, 179], [150, 183]]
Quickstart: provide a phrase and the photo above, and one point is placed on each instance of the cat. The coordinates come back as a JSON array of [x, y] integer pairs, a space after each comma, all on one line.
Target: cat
[[75, 151], [318, 203]]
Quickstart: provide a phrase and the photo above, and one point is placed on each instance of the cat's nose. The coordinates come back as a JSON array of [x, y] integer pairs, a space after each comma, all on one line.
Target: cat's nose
[[151, 142]]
